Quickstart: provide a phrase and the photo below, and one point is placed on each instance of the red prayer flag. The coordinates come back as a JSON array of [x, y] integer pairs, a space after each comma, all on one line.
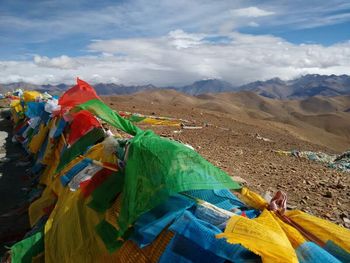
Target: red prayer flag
[[88, 186], [82, 122], [80, 93]]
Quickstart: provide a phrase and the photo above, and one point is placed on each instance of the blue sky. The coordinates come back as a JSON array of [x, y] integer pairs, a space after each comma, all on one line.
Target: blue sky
[[52, 41]]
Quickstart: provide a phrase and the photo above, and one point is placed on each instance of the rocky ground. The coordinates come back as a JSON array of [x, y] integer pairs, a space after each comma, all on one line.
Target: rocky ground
[[14, 186], [236, 146]]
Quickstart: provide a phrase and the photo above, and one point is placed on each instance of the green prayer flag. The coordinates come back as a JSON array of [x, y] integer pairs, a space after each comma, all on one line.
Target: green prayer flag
[[135, 118], [108, 234], [24, 250], [80, 146], [101, 110], [104, 195], [157, 168]]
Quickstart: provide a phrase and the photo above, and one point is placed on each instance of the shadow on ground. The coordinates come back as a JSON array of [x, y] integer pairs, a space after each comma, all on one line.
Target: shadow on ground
[[13, 185]]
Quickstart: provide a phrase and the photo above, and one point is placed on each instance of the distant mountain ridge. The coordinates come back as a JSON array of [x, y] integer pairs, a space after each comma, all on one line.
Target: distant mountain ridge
[[303, 87], [207, 86], [111, 88], [52, 89]]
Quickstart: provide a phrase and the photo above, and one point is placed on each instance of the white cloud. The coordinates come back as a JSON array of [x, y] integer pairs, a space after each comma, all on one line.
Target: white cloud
[[62, 62], [180, 57], [253, 24], [181, 39], [251, 11]]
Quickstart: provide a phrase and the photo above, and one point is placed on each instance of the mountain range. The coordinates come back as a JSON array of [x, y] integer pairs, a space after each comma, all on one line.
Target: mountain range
[[303, 87]]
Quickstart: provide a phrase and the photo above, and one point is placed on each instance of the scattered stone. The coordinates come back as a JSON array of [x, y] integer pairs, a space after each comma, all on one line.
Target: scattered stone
[[328, 215], [322, 183], [340, 185], [346, 220], [238, 152], [343, 215], [309, 183], [328, 194], [291, 207], [3, 137]]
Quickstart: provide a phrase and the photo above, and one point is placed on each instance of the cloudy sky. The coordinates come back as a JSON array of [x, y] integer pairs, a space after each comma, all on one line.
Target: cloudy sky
[[171, 42]]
